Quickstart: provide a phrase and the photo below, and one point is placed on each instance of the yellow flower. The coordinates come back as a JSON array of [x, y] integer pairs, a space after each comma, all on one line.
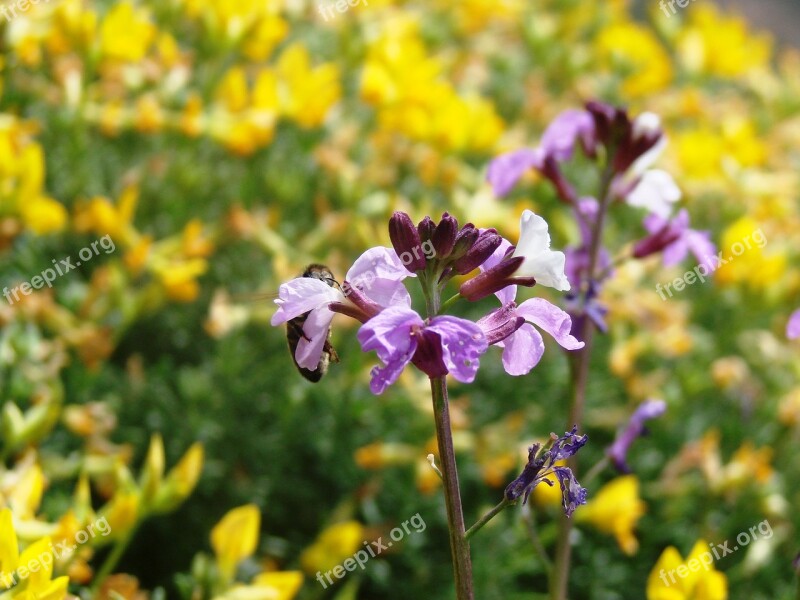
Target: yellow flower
[[99, 215], [9, 547], [277, 585], [44, 215], [720, 45], [672, 578], [634, 50], [235, 538], [615, 509], [310, 92], [26, 495], [232, 91], [126, 33], [121, 513], [34, 567], [40, 585], [752, 266], [148, 117], [179, 278], [700, 152], [181, 479], [262, 39], [333, 545]]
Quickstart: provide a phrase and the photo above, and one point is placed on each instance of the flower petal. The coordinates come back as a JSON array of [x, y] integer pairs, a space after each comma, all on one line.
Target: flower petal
[[379, 273], [545, 265], [656, 191], [551, 319], [522, 350], [793, 326], [301, 295], [315, 329], [505, 170], [389, 334], [463, 342], [572, 494], [558, 140]]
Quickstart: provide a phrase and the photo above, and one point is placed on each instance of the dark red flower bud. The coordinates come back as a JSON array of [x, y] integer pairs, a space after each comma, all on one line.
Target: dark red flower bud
[[494, 280], [406, 242], [426, 228], [444, 236], [488, 241]]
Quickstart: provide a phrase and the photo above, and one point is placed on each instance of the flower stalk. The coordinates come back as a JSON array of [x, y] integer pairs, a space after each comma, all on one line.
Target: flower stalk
[[459, 544]]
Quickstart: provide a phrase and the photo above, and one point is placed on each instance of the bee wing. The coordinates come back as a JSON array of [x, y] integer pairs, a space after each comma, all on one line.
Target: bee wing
[[254, 297]]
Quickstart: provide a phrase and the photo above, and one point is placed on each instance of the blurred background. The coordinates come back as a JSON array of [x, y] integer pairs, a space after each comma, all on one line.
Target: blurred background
[[211, 149]]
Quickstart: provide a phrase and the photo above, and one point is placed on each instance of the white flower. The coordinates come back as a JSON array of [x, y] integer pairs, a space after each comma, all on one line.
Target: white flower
[[656, 191], [541, 263]]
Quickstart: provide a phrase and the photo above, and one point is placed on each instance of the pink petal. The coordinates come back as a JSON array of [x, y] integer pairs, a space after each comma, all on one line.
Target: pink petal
[[379, 273], [551, 319], [301, 295], [522, 350], [505, 170], [463, 342], [793, 327], [316, 330]]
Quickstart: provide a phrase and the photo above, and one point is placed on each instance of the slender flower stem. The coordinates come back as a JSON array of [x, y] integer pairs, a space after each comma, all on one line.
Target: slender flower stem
[[595, 470], [580, 376], [449, 302], [459, 545], [530, 524], [487, 517], [112, 559]]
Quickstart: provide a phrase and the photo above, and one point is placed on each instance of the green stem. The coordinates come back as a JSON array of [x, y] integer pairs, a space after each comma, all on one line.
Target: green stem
[[598, 468], [580, 375], [487, 517], [530, 524], [111, 560], [449, 302], [459, 545]]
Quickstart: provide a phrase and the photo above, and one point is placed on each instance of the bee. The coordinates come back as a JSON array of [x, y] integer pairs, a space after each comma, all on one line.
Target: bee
[[294, 329]]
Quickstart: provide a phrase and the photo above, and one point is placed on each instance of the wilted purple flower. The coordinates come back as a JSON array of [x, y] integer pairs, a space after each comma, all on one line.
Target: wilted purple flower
[[374, 281], [507, 328], [558, 143], [442, 345], [618, 451], [793, 326], [675, 239], [541, 464]]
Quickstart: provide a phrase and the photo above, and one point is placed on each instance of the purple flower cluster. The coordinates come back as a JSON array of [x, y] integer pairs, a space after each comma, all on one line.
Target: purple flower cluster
[[374, 293], [627, 149], [542, 462]]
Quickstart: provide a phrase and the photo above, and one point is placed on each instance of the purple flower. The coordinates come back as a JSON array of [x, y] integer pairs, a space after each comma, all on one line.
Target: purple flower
[[509, 326], [558, 143], [618, 451], [793, 326], [374, 280], [443, 345], [676, 240], [541, 464]]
